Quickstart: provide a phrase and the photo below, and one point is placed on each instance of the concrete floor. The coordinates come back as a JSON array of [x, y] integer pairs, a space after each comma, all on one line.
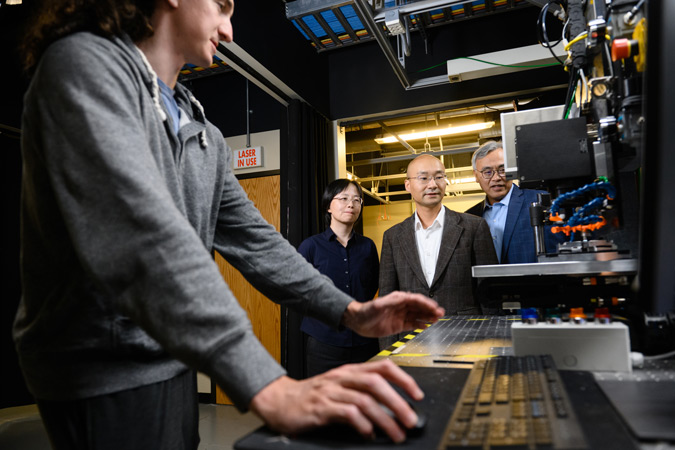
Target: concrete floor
[[220, 426]]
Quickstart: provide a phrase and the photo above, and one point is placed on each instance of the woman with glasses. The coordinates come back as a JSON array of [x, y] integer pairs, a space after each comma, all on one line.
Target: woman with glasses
[[350, 260]]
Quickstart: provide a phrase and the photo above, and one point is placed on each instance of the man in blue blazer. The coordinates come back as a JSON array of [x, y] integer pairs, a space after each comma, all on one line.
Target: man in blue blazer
[[506, 208]]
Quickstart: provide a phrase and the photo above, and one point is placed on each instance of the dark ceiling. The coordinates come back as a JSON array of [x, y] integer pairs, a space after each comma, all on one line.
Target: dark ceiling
[[349, 82]]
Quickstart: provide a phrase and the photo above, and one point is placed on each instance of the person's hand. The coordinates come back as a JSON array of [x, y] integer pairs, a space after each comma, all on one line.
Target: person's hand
[[350, 394], [393, 313]]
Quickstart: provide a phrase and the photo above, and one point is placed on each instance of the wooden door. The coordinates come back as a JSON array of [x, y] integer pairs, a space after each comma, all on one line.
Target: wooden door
[[263, 313]]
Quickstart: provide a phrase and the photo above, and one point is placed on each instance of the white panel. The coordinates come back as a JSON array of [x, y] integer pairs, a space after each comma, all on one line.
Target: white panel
[[463, 69], [589, 346]]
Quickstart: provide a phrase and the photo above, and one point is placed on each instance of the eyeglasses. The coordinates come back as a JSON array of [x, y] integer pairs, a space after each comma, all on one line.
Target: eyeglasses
[[489, 172], [346, 200], [424, 179]]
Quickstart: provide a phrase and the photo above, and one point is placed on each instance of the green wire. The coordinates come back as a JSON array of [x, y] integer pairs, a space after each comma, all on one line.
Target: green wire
[[432, 67], [493, 64], [569, 108]]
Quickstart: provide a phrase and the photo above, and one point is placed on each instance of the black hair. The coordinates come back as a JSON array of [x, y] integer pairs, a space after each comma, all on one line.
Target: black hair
[[333, 189]]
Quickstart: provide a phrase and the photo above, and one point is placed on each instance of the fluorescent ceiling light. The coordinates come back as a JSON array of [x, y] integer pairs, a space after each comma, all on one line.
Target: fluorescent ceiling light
[[462, 180], [437, 132]]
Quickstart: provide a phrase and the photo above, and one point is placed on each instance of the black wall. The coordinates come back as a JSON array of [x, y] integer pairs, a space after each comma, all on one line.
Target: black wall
[[223, 97], [266, 34]]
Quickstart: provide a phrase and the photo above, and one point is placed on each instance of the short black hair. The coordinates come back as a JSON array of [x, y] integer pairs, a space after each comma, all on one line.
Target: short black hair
[[333, 189]]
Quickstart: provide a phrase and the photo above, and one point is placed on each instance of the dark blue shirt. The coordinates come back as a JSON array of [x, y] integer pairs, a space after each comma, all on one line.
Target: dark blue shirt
[[354, 269], [167, 95]]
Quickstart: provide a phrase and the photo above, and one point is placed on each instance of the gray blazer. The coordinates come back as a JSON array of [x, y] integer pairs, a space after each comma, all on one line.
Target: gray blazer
[[466, 242]]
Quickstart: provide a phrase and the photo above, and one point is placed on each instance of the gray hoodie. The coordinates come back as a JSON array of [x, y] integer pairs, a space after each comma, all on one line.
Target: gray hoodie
[[119, 217]]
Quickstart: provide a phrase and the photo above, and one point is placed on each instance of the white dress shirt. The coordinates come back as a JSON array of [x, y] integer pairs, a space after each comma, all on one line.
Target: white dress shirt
[[429, 244]]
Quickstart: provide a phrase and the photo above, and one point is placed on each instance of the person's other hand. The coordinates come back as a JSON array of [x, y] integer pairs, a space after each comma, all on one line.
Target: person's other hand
[[391, 314], [351, 394]]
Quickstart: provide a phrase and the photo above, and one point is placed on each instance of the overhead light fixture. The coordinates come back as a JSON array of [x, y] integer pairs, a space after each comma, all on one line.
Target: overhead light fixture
[[462, 180], [448, 131], [392, 19]]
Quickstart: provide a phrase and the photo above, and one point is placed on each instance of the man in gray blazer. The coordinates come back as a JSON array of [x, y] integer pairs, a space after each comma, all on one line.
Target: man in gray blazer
[[432, 251]]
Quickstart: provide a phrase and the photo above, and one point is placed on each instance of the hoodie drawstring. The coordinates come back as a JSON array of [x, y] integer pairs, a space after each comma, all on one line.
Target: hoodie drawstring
[[155, 86], [155, 98]]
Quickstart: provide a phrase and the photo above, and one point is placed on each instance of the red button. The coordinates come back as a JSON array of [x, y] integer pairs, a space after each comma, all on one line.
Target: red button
[[602, 313], [620, 49]]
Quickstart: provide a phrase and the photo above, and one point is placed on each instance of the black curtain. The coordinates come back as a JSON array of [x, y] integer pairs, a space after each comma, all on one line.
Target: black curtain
[[304, 176], [13, 391]]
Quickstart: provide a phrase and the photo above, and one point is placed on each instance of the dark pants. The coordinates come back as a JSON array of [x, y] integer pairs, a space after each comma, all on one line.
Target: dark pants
[[163, 415], [321, 357]]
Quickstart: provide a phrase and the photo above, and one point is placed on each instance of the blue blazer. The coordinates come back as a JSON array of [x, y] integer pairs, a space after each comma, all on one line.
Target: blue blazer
[[518, 243]]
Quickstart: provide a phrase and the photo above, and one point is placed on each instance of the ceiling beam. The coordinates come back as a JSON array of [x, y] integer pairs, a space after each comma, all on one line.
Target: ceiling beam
[[250, 68]]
